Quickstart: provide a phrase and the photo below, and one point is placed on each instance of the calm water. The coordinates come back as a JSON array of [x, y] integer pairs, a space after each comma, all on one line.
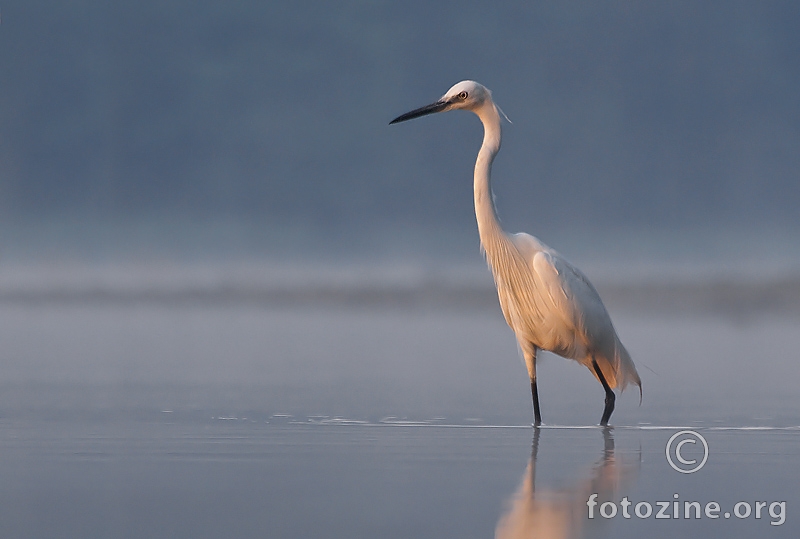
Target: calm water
[[242, 478], [237, 419]]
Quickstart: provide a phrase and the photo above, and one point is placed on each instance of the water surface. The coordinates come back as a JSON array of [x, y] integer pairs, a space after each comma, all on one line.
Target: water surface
[[205, 415]]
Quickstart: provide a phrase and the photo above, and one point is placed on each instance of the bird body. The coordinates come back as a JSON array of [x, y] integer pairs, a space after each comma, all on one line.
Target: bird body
[[548, 303]]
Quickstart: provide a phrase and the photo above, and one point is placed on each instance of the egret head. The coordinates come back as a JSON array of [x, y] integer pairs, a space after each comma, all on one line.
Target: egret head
[[467, 95]]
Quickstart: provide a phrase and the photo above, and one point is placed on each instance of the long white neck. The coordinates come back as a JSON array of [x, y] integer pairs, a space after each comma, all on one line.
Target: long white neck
[[488, 226]]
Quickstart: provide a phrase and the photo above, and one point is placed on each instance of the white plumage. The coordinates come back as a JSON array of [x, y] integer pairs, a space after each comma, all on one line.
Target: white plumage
[[548, 303]]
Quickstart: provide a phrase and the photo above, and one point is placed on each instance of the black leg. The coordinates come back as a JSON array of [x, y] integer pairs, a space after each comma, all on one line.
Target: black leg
[[537, 415], [610, 397]]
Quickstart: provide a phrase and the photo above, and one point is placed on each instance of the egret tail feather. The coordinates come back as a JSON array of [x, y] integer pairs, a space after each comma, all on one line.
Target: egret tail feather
[[618, 368]]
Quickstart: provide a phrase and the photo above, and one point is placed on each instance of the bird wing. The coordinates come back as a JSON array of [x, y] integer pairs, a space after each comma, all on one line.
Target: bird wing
[[572, 302], [536, 301], [594, 324], [570, 314]]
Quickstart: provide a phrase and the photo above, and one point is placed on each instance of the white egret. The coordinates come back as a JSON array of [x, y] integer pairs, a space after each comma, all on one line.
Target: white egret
[[548, 303]]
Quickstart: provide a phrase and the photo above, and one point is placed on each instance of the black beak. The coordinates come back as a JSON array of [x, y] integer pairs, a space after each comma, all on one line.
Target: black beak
[[439, 106]]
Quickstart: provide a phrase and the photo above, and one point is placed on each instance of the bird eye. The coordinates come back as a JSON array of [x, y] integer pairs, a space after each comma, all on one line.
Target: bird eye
[[462, 95]]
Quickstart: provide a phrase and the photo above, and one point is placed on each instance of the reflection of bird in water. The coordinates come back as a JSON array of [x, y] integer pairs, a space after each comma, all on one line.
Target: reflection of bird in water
[[548, 302], [560, 513]]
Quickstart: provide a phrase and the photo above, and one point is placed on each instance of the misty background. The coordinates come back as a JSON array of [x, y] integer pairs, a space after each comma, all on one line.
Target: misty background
[[209, 195], [265, 123]]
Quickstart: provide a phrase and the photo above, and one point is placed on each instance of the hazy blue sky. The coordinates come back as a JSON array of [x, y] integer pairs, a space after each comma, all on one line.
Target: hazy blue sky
[[625, 113]]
